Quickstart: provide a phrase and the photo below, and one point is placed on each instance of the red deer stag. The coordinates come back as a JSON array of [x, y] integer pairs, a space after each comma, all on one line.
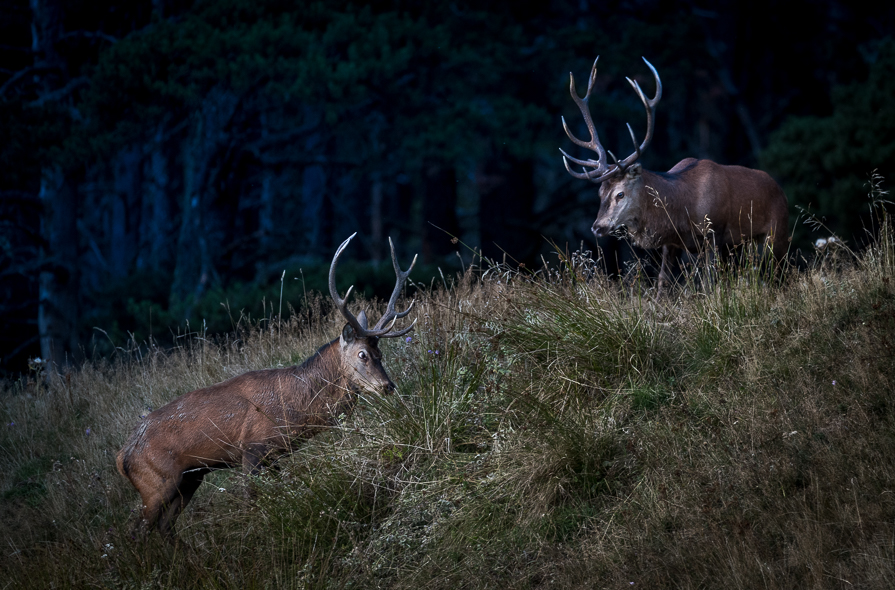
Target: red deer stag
[[257, 415], [695, 201]]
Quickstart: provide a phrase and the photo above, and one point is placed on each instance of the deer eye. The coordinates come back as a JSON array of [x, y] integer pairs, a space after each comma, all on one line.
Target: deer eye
[[620, 196], [362, 355]]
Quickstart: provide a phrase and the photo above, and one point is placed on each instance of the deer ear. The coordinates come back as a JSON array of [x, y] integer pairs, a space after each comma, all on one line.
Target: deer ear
[[348, 335], [633, 170], [362, 319]]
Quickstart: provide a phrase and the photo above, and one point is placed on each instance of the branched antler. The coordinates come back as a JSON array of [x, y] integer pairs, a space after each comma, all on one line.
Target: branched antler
[[388, 319], [601, 169]]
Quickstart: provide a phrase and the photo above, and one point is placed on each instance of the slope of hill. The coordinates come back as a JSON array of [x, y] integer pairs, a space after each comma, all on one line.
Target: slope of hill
[[553, 429]]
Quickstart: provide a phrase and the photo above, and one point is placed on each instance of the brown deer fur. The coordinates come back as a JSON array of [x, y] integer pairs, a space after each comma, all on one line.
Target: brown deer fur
[[255, 416], [697, 202], [241, 421]]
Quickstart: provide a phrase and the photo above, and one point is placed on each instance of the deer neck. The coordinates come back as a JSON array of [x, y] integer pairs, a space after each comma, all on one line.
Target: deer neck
[[326, 377], [660, 211]]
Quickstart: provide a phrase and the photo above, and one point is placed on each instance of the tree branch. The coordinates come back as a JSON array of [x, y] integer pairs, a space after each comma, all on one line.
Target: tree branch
[[167, 134], [26, 271], [303, 159], [15, 79], [22, 228], [5, 47], [82, 228], [258, 146], [89, 35], [18, 307], [61, 93]]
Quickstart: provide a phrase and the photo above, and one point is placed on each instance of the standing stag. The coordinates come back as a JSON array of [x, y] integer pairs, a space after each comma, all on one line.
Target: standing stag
[[694, 202], [258, 415]]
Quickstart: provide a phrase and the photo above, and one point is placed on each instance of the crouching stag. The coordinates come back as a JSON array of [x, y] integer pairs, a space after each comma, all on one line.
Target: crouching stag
[[695, 202], [257, 415]]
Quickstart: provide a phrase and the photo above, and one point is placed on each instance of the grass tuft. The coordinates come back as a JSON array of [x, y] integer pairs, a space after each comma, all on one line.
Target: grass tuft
[[549, 429]]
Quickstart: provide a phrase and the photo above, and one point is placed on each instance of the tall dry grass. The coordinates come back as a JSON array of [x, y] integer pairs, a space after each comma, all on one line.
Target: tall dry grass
[[549, 429]]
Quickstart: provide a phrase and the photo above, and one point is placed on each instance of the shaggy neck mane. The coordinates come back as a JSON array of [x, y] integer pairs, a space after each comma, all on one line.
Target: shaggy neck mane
[[661, 211], [325, 367]]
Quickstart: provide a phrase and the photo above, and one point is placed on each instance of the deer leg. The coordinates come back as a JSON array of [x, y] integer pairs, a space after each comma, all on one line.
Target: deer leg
[[252, 458], [780, 245], [154, 507], [666, 272], [149, 516], [252, 461], [154, 491], [178, 500]]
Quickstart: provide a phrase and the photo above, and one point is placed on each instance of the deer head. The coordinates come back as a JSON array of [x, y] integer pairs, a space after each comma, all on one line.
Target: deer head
[[359, 344], [621, 191]]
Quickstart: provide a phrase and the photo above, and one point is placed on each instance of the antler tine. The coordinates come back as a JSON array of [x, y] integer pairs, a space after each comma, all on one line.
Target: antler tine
[[391, 315], [599, 165], [650, 106], [383, 326], [578, 142], [590, 163], [400, 332], [633, 140], [585, 174], [334, 292], [655, 100], [582, 103]]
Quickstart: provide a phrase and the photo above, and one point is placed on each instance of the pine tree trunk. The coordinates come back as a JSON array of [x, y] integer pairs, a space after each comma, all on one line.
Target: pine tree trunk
[[125, 211], [58, 309], [190, 242], [266, 206], [315, 210], [194, 268], [157, 233]]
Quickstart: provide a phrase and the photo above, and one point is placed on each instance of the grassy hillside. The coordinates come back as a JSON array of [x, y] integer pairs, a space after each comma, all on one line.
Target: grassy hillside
[[549, 431]]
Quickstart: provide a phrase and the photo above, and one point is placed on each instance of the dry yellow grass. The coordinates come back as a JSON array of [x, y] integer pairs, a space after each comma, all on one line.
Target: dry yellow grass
[[566, 431]]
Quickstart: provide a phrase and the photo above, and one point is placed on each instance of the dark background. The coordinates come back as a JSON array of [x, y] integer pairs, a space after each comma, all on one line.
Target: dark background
[[158, 158]]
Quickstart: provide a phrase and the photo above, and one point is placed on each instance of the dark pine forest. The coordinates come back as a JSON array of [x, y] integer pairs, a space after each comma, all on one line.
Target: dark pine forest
[[169, 166]]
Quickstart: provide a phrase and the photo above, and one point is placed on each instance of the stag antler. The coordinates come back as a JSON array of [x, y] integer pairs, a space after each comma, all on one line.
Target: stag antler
[[601, 169], [388, 319]]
